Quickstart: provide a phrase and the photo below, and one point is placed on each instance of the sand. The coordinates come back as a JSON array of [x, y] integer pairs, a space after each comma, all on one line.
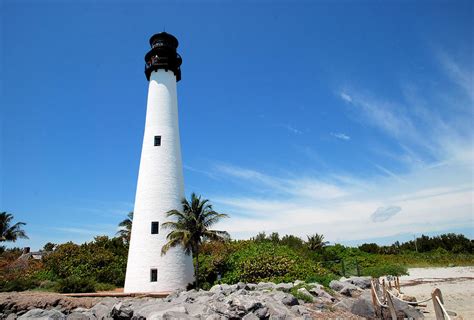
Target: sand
[[456, 285]]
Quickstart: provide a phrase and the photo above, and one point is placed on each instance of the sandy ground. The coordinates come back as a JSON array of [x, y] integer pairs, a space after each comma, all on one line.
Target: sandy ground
[[456, 285]]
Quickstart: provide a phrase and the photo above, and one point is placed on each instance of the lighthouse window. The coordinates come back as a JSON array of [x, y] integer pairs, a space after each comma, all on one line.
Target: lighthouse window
[[153, 275], [154, 227], [157, 141]]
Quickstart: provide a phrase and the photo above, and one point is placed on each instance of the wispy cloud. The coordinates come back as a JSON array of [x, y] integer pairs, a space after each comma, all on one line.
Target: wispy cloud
[[384, 213], [346, 97], [291, 129], [340, 135], [461, 75]]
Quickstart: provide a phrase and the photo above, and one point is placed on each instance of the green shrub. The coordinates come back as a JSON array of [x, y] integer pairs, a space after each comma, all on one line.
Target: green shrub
[[323, 279], [104, 287], [386, 269], [266, 261], [19, 284], [298, 295], [76, 284]]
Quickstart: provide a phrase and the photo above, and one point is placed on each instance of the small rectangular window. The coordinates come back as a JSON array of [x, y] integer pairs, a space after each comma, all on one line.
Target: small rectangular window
[[153, 275], [157, 141], [154, 227]]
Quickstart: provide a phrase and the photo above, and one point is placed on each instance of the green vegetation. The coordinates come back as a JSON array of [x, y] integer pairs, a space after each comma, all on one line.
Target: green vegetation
[[190, 227], [100, 265]]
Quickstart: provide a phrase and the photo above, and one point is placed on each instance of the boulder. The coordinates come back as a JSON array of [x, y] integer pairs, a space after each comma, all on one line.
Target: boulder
[[350, 290], [173, 315], [361, 282], [261, 313], [81, 316], [248, 304], [250, 316], [321, 293], [361, 306], [122, 311], [40, 314], [158, 315], [286, 287], [336, 285], [266, 286], [406, 311], [306, 293], [216, 288], [285, 298], [251, 286]]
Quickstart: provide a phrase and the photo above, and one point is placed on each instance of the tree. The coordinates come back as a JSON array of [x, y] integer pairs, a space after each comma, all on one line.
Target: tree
[[190, 227], [126, 228], [10, 232], [316, 242], [49, 246]]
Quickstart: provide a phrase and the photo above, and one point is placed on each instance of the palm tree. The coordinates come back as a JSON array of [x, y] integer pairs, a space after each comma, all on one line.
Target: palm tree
[[8, 232], [126, 228], [316, 242], [190, 227]]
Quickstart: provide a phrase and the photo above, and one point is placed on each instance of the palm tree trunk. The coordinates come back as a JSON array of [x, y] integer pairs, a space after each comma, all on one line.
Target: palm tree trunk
[[196, 272]]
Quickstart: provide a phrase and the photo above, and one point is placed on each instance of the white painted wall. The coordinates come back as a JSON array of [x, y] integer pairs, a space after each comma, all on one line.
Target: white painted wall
[[160, 188]]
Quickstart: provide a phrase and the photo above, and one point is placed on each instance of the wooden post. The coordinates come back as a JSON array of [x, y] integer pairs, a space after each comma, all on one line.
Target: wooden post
[[391, 307], [383, 289], [437, 308], [374, 299]]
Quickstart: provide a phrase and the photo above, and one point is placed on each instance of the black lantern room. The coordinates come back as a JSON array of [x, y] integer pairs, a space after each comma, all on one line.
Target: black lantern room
[[163, 55]]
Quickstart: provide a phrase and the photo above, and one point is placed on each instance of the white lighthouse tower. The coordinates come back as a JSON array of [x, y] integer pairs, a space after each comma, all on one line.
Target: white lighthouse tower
[[160, 186]]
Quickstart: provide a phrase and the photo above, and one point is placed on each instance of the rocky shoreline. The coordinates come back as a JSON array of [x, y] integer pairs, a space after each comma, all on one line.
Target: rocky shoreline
[[345, 299]]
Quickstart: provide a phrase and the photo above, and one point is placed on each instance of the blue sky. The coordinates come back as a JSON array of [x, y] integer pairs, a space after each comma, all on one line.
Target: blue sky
[[348, 118]]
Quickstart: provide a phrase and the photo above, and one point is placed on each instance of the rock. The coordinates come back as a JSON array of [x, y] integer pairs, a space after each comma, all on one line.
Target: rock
[[146, 308], [245, 303], [241, 285], [284, 287], [266, 286], [336, 285], [298, 282], [102, 310], [250, 316], [81, 316], [361, 282], [122, 311], [362, 306], [321, 293], [11, 316], [251, 286], [173, 315], [175, 294], [279, 311], [216, 288], [349, 290], [300, 310], [158, 315], [40, 314], [261, 313], [306, 293], [406, 310], [285, 298]]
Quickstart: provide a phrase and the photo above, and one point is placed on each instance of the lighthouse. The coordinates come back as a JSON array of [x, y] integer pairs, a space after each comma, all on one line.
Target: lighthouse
[[160, 186]]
